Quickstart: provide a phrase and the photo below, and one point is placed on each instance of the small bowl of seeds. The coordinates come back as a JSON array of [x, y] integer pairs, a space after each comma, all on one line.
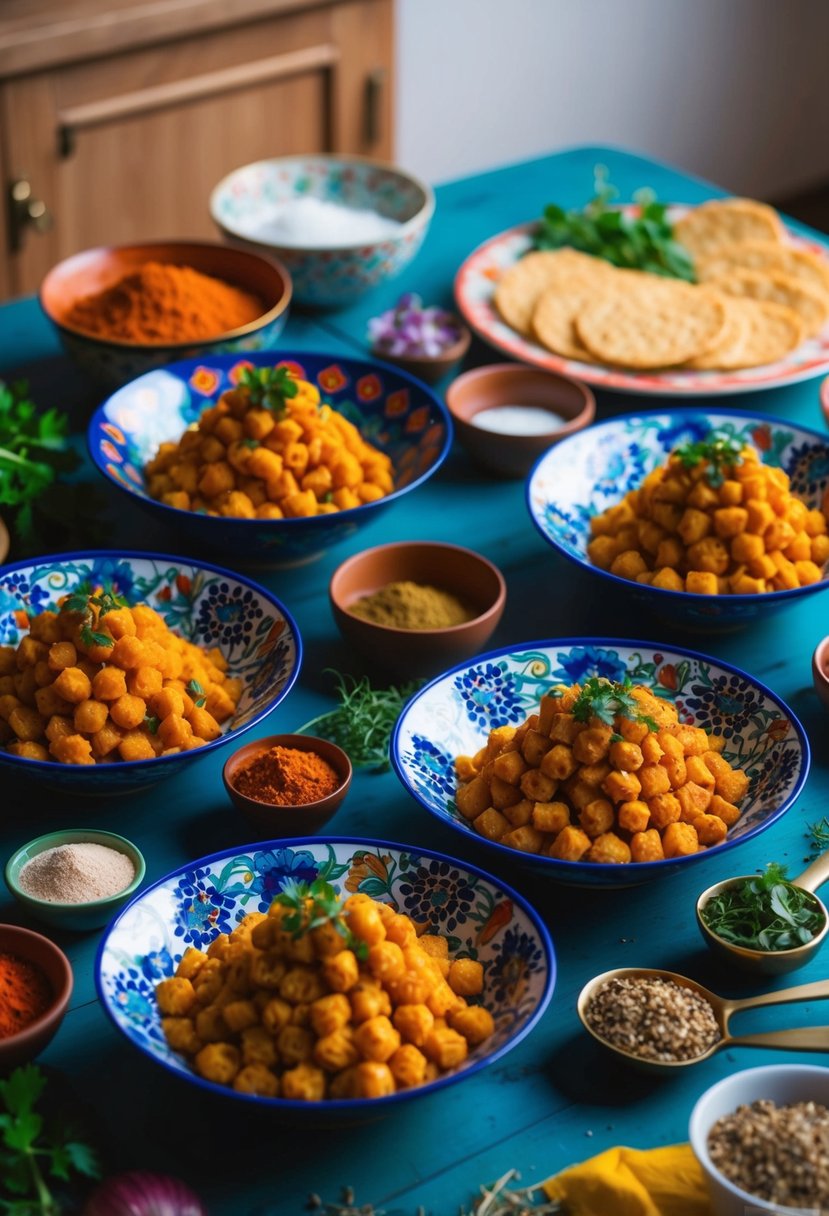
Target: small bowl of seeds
[[762, 1139], [75, 879]]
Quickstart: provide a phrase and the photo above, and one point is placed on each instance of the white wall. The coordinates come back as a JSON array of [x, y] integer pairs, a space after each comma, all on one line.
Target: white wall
[[736, 91]]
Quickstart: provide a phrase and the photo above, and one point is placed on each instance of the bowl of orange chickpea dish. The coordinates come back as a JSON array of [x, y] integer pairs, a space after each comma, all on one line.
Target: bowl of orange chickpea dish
[[326, 976], [272, 456], [711, 519], [116, 669], [601, 762]]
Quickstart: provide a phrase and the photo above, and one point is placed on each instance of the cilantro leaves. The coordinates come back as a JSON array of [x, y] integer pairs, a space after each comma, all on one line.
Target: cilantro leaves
[[83, 600], [311, 907], [764, 913], [269, 387], [602, 699], [720, 452]]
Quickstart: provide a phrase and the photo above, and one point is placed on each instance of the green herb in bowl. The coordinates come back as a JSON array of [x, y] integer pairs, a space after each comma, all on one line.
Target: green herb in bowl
[[766, 912]]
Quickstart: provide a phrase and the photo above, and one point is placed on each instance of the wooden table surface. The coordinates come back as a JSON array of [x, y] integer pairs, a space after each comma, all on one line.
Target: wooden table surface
[[555, 1099]]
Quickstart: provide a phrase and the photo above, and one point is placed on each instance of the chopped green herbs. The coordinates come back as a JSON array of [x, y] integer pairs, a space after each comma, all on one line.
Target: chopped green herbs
[[643, 241], [314, 905], [82, 600], [195, 690], [718, 451], [152, 723], [764, 913], [269, 387], [363, 721], [607, 701]]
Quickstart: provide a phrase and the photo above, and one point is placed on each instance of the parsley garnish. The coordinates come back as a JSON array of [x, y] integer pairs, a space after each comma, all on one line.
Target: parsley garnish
[[720, 452], [30, 1153], [82, 600], [152, 723], [198, 694], [313, 906], [642, 242], [601, 698], [764, 913], [269, 387], [363, 721]]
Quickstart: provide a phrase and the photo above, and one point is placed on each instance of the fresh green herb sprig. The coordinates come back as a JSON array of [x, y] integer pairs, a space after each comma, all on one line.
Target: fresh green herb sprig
[[764, 913], [644, 241], [363, 721], [719, 452], [82, 600], [818, 836], [34, 449], [603, 699], [269, 387], [30, 1153], [325, 908]]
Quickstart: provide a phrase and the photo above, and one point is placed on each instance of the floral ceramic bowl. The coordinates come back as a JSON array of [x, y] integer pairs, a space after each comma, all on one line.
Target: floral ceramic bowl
[[394, 412], [591, 471], [482, 917], [203, 603], [454, 714], [334, 274]]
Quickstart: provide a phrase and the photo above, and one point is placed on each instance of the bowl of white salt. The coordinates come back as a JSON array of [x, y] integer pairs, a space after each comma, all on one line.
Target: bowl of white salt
[[75, 879], [340, 224]]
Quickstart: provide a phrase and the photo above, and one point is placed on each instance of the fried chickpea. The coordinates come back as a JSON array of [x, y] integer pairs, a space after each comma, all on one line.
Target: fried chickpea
[[414, 1022], [473, 1022], [72, 749], [341, 972], [365, 923], [90, 716], [175, 996], [373, 1079], [256, 1079], [218, 1062], [369, 1000], [386, 961], [336, 1050], [73, 685], [61, 655], [408, 1066], [330, 1013], [466, 977], [295, 1044], [180, 1033], [446, 1048]]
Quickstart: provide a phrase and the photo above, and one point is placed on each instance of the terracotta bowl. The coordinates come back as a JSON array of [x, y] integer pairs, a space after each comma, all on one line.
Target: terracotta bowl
[[35, 948], [272, 820], [418, 652], [111, 362], [430, 368], [516, 384], [820, 671]]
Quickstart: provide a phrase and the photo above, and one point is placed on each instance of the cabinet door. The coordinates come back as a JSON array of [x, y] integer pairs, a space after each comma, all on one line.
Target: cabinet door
[[129, 148]]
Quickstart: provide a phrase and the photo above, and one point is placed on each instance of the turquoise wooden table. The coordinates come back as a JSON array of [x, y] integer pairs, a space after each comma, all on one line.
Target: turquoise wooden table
[[554, 1100]]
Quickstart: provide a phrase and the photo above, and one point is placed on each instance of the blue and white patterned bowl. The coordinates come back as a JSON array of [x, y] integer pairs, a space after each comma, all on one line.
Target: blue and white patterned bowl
[[203, 603], [482, 917], [454, 714], [589, 472], [335, 276], [392, 410]]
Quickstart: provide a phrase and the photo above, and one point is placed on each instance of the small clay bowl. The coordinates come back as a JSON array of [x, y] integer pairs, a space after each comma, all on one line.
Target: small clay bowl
[[272, 820], [32, 947], [431, 368], [820, 671], [409, 653], [571, 403], [78, 917]]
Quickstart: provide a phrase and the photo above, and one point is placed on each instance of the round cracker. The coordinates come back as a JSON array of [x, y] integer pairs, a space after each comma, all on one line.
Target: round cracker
[[728, 221], [553, 321], [811, 306], [756, 332], [520, 286], [661, 324], [766, 256]]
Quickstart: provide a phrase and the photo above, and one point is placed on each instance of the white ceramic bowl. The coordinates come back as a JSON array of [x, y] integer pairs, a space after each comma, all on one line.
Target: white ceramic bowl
[[782, 1083]]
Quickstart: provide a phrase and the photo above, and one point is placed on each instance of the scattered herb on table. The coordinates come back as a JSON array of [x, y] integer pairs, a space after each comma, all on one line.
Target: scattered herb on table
[[640, 241], [32, 1155], [495, 1199], [269, 387], [720, 452], [363, 721], [764, 913], [603, 699], [818, 836]]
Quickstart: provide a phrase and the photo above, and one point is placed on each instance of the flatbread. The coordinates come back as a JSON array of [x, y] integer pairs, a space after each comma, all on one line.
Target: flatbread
[[660, 324], [766, 256], [811, 306], [728, 221], [756, 332], [520, 286]]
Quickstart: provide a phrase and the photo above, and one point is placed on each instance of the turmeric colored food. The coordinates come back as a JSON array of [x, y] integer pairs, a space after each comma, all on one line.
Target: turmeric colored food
[[357, 1006], [268, 449], [713, 520], [603, 772], [99, 681]]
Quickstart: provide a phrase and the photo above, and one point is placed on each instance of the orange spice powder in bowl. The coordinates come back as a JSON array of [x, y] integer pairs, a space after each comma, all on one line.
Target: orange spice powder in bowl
[[287, 785]]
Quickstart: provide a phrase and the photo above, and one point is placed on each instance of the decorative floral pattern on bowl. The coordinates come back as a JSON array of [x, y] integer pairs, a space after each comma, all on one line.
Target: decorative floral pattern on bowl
[[590, 471], [481, 917], [203, 603], [454, 714], [393, 411], [475, 288], [328, 277]]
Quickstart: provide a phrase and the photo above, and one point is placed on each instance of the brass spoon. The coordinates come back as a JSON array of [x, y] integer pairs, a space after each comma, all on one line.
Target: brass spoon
[[809, 1038], [769, 962]]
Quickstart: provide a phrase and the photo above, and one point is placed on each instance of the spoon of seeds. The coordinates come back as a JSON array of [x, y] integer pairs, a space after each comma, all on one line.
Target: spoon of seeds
[[661, 1022]]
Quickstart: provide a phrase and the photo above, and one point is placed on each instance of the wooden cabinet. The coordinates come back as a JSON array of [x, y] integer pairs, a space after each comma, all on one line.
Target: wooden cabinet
[[121, 117]]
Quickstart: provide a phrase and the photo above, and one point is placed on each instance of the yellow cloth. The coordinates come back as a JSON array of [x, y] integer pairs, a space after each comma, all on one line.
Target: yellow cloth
[[629, 1182]]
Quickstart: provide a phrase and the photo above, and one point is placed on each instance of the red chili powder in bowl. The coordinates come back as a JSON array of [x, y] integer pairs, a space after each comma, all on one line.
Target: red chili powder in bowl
[[25, 994], [286, 776]]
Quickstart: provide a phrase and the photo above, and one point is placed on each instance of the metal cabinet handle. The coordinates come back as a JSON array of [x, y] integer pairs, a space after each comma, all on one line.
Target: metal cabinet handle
[[25, 211]]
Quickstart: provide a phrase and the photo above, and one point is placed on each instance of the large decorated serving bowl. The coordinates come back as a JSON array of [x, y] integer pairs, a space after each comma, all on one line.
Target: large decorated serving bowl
[[590, 471], [393, 411], [480, 915], [205, 604], [454, 714]]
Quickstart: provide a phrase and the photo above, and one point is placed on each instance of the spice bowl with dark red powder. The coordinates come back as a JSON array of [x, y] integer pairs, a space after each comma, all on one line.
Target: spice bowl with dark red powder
[[35, 987], [286, 785]]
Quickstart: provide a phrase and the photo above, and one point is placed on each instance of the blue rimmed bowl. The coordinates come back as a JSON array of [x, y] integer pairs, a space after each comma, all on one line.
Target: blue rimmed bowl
[[334, 274], [454, 714], [481, 915], [203, 603], [392, 411], [586, 473]]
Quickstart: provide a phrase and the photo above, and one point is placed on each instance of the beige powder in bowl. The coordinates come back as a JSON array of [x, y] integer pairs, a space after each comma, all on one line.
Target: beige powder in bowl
[[76, 874]]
